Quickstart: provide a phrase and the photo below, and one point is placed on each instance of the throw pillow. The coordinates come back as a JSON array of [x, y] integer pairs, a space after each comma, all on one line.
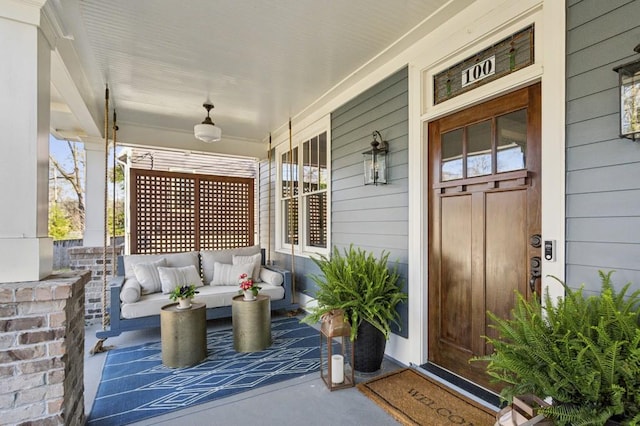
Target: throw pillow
[[171, 278], [209, 257], [271, 277], [225, 274], [130, 292], [147, 276], [254, 260]]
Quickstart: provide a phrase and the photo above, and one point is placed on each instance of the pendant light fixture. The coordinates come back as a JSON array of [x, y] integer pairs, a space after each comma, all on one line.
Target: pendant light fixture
[[207, 131]]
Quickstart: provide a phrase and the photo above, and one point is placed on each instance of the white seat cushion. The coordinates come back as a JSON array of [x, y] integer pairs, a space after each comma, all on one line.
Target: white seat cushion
[[212, 296]]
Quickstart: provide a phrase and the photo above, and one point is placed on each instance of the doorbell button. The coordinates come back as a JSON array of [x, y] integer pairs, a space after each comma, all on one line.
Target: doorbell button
[[550, 250]]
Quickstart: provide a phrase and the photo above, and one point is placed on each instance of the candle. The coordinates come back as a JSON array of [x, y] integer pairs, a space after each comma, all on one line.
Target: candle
[[337, 369]]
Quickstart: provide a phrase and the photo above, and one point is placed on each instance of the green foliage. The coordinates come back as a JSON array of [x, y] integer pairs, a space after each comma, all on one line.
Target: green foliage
[[116, 175], [59, 223], [583, 352], [119, 218], [183, 292], [363, 286]]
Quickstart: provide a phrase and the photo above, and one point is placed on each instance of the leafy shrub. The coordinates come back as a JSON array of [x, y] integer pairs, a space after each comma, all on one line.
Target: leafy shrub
[[363, 286], [583, 352]]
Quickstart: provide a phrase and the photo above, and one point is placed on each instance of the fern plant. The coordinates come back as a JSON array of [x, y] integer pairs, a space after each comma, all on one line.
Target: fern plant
[[583, 352], [359, 283]]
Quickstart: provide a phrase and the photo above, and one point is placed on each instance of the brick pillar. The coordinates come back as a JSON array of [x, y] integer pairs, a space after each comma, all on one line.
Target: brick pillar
[[42, 351], [90, 258]]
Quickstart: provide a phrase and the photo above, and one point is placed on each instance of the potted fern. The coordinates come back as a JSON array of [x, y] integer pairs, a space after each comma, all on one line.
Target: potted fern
[[582, 351], [368, 291]]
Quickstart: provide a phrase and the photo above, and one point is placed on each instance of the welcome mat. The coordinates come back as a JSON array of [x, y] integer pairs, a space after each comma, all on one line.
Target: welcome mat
[[135, 385], [414, 399]]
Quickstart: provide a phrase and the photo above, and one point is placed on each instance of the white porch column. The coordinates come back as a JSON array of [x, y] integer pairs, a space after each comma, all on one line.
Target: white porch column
[[26, 252], [94, 194]]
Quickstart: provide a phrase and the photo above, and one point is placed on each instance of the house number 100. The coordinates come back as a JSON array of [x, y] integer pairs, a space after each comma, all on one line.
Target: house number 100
[[479, 71]]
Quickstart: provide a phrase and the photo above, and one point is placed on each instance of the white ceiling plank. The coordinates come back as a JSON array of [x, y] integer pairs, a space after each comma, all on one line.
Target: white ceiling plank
[[259, 61]]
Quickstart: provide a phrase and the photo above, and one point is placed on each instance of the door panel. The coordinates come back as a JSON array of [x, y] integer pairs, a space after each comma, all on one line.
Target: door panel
[[506, 254], [456, 270], [484, 204]]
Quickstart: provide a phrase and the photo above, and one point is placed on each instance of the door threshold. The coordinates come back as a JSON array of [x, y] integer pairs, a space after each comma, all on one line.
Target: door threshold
[[483, 395]]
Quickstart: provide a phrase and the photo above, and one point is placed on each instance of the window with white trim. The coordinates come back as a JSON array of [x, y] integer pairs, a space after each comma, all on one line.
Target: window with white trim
[[303, 190]]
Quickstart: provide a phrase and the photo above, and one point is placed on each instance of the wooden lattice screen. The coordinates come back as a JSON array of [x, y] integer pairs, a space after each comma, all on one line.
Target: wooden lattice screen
[[174, 212]]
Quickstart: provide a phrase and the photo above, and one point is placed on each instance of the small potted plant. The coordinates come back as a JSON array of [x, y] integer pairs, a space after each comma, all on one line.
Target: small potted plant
[[248, 287], [183, 294]]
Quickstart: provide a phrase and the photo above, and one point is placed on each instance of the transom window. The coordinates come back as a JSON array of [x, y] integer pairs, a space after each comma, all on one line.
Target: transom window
[[303, 191]]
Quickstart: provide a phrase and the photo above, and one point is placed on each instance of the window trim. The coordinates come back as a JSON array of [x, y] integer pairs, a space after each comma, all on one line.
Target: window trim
[[302, 248]]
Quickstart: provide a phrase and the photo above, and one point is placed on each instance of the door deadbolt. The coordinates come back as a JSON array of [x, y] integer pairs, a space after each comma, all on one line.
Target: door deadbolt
[[536, 241]]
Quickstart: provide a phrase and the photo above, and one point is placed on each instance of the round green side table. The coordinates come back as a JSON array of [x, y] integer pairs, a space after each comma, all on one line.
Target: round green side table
[[251, 323], [183, 333]]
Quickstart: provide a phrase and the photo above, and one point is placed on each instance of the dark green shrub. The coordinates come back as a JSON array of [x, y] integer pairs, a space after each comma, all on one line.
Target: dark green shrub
[[583, 352], [360, 284]]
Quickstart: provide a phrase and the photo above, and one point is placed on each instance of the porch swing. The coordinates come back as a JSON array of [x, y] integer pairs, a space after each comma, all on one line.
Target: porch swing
[[289, 278]]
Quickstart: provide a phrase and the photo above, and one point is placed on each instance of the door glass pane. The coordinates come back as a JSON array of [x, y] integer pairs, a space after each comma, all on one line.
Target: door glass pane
[[451, 155], [512, 141], [479, 149]]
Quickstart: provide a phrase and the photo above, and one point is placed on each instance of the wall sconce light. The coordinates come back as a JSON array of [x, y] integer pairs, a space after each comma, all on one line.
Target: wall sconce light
[[629, 86], [375, 161]]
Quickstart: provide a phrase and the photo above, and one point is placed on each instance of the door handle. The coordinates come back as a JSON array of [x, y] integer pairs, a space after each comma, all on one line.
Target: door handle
[[535, 272]]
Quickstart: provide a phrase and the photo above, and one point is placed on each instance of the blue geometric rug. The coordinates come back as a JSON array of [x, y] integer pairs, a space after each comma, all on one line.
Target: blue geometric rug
[[135, 385]]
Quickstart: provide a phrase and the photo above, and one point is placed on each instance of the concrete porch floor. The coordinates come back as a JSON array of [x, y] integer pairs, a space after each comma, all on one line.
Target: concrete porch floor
[[303, 400]]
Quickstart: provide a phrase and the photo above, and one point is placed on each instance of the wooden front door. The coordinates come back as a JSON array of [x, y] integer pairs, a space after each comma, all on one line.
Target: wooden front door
[[484, 216]]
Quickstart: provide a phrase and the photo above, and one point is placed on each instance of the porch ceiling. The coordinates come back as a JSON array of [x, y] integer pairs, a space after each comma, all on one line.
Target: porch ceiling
[[260, 62]]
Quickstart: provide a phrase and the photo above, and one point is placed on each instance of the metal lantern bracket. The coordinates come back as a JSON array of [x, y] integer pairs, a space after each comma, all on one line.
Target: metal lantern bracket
[[629, 98]]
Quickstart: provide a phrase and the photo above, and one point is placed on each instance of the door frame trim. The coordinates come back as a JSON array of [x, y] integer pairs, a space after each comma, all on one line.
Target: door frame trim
[[455, 40]]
